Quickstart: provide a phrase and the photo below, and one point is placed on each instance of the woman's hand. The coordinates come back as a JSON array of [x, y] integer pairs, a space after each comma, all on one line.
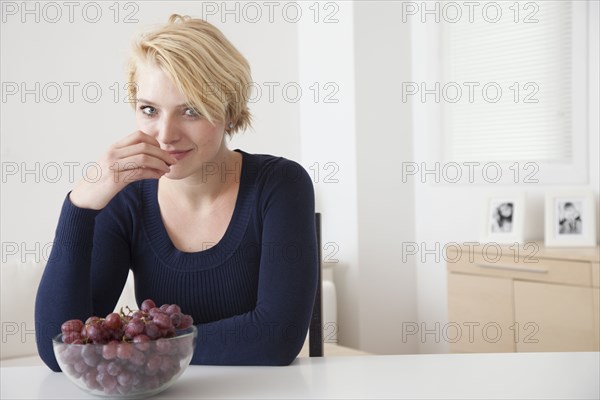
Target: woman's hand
[[133, 158]]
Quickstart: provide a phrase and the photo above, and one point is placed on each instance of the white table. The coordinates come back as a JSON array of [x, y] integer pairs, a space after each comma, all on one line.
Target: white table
[[507, 375]]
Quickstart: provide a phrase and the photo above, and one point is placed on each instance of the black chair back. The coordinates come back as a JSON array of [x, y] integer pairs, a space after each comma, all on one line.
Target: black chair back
[[315, 336]]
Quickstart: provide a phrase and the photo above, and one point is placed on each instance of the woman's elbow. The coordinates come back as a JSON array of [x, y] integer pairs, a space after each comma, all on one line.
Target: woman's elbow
[[54, 367], [46, 353], [50, 361], [279, 360], [284, 355]]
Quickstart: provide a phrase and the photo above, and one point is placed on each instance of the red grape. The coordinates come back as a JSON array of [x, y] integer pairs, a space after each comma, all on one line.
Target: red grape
[[137, 358], [138, 315], [163, 346], [142, 342], [124, 350], [71, 337], [80, 366], [173, 309], [112, 321], [152, 331], [106, 380], [134, 328], [72, 325], [186, 322], [97, 333], [147, 305], [125, 379], [168, 333], [153, 364], [153, 312], [92, 320], [109, 351], [113, 368], [176, 319], [163, 321], [102, 366]]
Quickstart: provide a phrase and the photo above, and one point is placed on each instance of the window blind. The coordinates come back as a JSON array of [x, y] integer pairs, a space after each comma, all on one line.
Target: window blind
[[514, 77]]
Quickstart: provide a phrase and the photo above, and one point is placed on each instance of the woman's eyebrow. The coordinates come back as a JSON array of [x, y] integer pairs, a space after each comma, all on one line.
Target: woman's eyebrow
[[139, 100]]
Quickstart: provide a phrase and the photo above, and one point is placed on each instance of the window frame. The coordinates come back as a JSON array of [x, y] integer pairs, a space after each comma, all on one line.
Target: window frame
[[428, 116]]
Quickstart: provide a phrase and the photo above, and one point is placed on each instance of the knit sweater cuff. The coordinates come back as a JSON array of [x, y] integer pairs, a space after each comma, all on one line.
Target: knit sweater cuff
[[75, 225]]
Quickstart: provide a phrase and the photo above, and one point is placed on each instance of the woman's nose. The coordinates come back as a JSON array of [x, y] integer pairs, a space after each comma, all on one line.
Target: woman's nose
[[168, 131]]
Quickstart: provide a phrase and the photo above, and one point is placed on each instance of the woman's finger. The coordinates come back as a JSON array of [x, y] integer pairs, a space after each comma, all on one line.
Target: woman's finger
[[136, 137], [144, 148]]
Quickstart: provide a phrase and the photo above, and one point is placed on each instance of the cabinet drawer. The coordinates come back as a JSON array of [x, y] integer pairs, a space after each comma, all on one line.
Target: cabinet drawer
[[561, 317], [480, 314], [596, 310], [577, 273], [595, 274]]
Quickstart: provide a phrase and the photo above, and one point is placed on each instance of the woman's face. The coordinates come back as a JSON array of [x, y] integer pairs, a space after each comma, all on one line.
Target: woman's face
[[161, 112]]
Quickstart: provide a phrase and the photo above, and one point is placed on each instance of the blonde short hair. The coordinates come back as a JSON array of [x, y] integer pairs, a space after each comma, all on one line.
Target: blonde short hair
[[210, 72]]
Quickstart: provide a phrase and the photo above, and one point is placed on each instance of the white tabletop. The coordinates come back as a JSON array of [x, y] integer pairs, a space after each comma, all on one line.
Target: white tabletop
[[502, 375]]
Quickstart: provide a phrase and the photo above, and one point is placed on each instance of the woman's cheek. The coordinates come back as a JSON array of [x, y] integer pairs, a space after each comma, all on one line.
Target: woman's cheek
[[144, 125], [138, 121]]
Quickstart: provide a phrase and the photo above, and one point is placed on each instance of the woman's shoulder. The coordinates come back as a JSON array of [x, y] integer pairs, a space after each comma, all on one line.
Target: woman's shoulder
[[268, 169], [278, 181]]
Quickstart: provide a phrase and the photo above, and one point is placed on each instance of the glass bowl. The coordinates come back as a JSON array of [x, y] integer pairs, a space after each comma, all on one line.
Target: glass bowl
[[126, 370]]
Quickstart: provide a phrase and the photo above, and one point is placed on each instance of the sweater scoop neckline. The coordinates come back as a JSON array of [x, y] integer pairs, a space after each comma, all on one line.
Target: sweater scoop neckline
[[162, 245]]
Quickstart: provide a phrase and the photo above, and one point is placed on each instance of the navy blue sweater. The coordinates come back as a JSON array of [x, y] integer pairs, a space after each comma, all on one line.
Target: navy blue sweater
[[251, 294]]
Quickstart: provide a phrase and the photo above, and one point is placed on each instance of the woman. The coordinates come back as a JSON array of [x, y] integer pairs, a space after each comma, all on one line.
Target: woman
[[229, 236]]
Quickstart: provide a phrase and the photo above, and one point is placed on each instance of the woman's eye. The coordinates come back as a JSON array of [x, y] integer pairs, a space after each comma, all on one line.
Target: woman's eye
[[148, 110], [190, 112]]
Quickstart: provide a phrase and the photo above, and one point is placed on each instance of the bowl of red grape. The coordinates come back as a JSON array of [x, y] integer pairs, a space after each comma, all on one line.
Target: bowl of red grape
[[129, 354]]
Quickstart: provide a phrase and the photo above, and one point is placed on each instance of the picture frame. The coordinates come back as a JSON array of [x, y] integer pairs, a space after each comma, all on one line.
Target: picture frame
[[503, 219], [570, 219]]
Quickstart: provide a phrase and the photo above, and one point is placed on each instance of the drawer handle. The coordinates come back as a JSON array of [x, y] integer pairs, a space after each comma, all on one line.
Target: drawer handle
[[513, 268]]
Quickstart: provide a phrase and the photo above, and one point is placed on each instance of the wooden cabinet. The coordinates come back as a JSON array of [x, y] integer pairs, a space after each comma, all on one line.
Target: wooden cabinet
[[475, 329], [527, 298], [560, 317], [596, 305]]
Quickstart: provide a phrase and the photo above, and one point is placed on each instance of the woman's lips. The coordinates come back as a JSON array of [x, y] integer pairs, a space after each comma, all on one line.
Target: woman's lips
[[178, 155]]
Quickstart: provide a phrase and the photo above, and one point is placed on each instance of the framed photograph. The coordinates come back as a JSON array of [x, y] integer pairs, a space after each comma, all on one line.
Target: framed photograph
[[503, 219], [570, 219]]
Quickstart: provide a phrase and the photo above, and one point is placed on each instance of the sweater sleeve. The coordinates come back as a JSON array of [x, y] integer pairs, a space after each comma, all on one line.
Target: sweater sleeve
[[274, 332], [87, 248]]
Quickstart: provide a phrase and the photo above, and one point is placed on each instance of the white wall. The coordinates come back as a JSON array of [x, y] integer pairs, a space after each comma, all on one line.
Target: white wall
[[386, 205]]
